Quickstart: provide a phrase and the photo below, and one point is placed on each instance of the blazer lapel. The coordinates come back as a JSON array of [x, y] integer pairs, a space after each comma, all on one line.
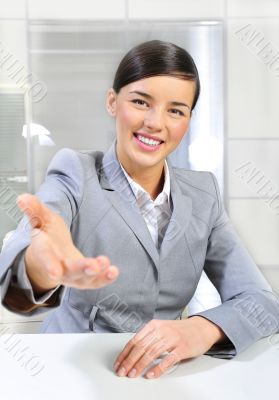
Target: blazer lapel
[[121, 196], [180, 217]]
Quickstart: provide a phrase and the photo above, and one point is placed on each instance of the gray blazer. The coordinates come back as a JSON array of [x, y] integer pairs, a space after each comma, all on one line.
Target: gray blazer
[[91, 193]]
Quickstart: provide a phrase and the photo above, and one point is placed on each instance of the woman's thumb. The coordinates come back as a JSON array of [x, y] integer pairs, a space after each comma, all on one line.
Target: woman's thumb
[[36, 212]]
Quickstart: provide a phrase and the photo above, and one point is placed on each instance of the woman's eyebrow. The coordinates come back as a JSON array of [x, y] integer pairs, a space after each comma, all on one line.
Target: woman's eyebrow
[[148, 96]]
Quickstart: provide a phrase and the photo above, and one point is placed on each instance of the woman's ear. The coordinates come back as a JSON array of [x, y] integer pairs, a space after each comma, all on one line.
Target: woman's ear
[[111, 102]]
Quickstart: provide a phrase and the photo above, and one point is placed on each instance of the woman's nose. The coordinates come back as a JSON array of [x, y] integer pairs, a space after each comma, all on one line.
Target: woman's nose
[[154, 120]]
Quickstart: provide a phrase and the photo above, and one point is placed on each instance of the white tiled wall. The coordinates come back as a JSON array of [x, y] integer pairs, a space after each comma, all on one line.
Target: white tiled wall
[[253, 134], [252, 84], [260, 157], [13, 42], [175, 9], [258, 226], [12, 9], [253, 8], [271, 273], [79, 10]]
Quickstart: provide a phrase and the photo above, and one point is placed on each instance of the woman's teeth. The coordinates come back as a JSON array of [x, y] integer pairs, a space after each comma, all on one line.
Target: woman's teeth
[[150, 142]]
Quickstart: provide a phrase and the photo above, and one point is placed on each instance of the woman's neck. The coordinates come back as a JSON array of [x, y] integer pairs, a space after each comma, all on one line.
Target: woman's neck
[[150, 179], [152, 185]]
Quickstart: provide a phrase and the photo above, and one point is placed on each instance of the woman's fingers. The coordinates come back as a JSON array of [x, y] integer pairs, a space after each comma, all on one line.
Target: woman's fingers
[[169, 361], [75, 269], [108, 272], [89, 272], [37, 213], [144, 349], [105, 277]]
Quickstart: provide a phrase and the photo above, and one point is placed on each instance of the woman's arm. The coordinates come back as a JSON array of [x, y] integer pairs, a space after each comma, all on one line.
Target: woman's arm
[[52, 259], [41, 255], [249, 311]]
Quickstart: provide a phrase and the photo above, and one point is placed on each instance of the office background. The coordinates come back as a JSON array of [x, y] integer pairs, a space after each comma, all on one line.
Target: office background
[[57, 59]]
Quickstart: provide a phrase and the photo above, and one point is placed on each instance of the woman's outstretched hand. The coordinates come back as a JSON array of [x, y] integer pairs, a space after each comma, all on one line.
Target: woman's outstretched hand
[[52, 259], [179, 339]]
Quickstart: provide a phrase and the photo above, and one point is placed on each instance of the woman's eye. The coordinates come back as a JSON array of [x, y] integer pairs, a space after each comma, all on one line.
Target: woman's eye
[[140, 102], [177, 112]]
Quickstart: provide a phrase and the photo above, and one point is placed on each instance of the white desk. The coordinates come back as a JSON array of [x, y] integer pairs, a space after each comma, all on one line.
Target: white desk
[[80, 367]]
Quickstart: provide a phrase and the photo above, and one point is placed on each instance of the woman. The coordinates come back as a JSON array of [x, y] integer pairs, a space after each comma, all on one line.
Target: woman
[[120, 239]]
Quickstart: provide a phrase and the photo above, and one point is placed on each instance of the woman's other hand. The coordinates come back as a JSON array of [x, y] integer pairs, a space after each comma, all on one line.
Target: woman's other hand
[[181, 339]]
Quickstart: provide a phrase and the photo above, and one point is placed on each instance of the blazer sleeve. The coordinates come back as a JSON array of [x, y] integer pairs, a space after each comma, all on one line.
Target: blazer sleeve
[[62, 192], [249, 309]]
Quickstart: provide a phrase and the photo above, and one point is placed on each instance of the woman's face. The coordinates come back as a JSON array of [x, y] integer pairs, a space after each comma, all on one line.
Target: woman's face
[[157, 109]]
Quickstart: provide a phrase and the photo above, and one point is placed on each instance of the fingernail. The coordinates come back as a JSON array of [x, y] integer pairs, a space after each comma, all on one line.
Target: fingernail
[[150, 375], [116, 365], [132, 373], [111, 274], [122, 371], [102, 265]]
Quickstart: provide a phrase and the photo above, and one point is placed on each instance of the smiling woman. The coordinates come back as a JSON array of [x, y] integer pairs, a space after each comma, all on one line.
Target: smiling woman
[[155, 89], [149, 130], [117, 241]]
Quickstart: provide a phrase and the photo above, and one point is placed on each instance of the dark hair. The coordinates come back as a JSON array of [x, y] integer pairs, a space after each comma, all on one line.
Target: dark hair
[[156, 57]]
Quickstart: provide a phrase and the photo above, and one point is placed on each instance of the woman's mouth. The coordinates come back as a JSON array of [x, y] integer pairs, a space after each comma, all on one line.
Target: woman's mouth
[[146, 143]]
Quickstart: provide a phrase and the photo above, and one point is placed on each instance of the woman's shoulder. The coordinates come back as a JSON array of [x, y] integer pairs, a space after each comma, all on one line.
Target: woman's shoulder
[[70, 159], [74, 167], [196, 181]]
